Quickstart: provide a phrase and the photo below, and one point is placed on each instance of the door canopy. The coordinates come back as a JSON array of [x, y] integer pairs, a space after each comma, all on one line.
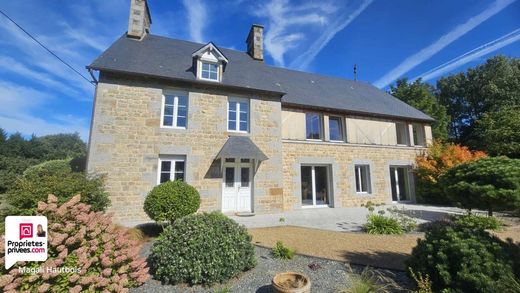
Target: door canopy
[[241, 147]]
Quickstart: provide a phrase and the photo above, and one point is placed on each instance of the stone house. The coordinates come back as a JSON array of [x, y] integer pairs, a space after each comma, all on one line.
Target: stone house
[[250, 137]]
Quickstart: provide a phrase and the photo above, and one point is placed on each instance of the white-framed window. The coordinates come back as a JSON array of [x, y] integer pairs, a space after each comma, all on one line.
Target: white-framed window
[[362, 173], [209, 70], [403, 138], [419, 137], [238, 115], [174, 112], [336, 128], [313, 126], [171, 168]]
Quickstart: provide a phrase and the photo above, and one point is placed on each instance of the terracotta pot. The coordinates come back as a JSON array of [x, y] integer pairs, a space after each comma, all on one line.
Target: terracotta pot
[[291, 282]]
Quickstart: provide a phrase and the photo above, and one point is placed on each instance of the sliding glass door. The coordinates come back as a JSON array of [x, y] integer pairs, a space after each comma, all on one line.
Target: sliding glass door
[[315, 186]]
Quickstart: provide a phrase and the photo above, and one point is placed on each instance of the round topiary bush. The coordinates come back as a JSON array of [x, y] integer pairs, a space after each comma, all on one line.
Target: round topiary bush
[[202, 249], [458, 259], [171, 200]]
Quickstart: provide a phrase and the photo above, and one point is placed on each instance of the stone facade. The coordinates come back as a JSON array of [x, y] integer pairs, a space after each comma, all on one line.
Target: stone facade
[[341, 158], [126, 141]]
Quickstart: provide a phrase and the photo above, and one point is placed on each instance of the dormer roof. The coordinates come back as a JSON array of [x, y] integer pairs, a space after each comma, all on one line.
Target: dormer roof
[[211, 48]]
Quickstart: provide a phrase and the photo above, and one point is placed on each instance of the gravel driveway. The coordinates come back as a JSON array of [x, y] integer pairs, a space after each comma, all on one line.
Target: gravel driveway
[[331, 275]]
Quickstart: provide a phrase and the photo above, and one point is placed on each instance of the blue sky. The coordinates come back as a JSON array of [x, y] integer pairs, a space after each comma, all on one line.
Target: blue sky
[[386, 39]]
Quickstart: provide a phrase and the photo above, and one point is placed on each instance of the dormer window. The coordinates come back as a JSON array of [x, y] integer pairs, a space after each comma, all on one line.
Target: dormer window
[[209, 63], [209, 71]]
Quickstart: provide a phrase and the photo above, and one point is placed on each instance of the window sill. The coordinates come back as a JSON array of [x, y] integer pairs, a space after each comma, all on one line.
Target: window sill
[[208, 79], [234, 132], [364, 194], [173, 127]]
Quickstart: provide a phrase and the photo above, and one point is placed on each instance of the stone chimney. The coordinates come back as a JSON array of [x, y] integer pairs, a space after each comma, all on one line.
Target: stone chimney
[[255, 42], [139, 21]]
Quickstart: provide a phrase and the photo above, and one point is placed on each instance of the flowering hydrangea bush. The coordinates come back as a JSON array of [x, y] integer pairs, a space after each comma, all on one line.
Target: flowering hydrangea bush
[[79, 238]]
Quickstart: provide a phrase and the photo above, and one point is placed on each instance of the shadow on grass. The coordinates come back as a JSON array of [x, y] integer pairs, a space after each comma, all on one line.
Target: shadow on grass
[[379, 259]]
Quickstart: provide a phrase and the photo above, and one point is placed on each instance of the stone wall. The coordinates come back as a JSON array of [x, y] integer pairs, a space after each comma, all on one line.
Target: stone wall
[[126, 141], [341, 157]]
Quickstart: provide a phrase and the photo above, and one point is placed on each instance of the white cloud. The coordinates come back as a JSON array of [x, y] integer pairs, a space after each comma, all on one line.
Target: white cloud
[[286, 24], [478, 52], [303, 60], [427, 52], [19, 103], [197, 19], [8, 64]]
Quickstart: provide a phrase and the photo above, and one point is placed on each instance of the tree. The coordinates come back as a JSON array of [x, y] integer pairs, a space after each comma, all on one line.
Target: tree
[[63, 146], [439, 158], [420, 95], [489, 184], [486, 88], [497, 133]]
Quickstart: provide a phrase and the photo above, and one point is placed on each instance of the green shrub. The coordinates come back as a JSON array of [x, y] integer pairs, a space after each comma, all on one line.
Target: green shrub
[[407, 223], [380, 224], [79, 238], [488, 184], [459, 259], [171, 200], [202, 249], [283, 252], [48, 168], [28, 190], [473, 221], [10, 169], [370, 281]]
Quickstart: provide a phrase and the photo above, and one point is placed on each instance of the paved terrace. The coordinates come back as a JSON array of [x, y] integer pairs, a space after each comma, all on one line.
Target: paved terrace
[[340, 219]]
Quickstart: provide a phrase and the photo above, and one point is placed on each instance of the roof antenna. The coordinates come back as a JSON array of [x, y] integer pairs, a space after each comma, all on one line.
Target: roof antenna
[[355, 72]]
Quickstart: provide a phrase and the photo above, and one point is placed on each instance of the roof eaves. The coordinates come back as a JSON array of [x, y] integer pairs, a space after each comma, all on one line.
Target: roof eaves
[[188, 81], [360, 113]]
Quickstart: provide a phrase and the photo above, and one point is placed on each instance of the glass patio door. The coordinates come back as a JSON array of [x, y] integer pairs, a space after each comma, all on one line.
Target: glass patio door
[[315, 186], [399, 183]]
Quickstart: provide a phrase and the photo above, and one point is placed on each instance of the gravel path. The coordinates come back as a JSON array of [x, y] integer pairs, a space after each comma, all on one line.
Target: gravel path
[[329, 277]]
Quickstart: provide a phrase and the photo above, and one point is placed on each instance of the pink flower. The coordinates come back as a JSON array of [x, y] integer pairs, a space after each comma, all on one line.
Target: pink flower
[[5, 279], [107, 272], [52, 199], [44, 288], [74, 278], [75, 289]]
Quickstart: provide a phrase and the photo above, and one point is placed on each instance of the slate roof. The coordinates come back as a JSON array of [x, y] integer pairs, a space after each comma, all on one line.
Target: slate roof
[[241, 147], [163, 57]]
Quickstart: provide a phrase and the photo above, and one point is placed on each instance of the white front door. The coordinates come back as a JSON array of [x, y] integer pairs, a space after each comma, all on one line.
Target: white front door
[[236, 187]]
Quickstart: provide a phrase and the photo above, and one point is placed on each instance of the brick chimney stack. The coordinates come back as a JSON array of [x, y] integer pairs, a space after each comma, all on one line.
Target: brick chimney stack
[[255, 42], [139, 20]]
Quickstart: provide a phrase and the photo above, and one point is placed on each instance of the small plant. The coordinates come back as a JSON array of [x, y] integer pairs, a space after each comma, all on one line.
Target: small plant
[[474, 221], [281, 220], [171, 200], [202, 248], [370, 281], [223, 290], [407, 223], [423, 283], [283, 252], [379, 224]]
